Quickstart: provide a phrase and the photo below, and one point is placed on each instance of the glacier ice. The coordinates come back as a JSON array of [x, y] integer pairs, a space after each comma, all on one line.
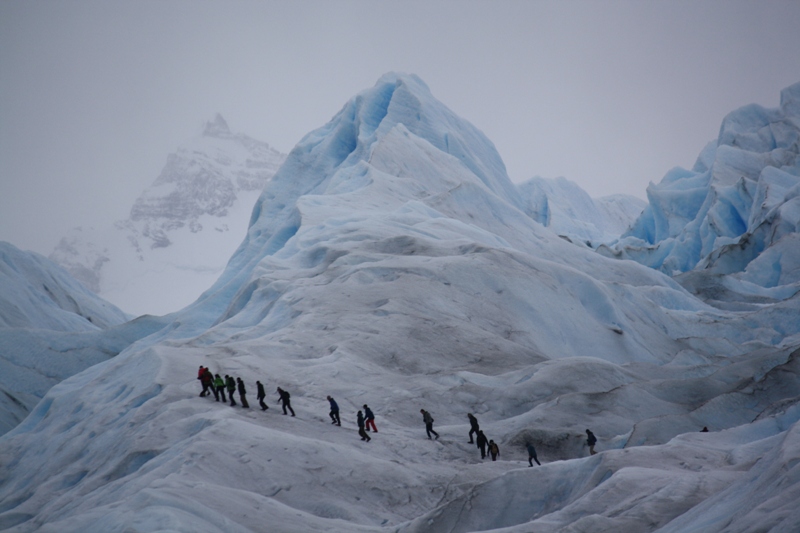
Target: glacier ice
[[51, 327], [565, 208], [391, 262], [736, 206]]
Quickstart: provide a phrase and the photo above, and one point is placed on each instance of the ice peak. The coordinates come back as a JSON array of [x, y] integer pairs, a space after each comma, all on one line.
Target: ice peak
[[401, 99], [790, 100], [216, 127]]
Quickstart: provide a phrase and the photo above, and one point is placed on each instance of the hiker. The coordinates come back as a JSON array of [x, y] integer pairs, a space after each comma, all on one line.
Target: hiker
[[473, 426], [369, 418], [200, 373], [285, 401], [212, 386], [208, 382], [260, 395], [494, 450], [591, 440], [482, 441], [231, 384], [242, 392], [428, 419], [334, 414], [532, 455], [219, 387], [361, 432]]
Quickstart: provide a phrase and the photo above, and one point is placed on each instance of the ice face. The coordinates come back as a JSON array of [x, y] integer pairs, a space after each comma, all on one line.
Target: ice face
[[737, 203]]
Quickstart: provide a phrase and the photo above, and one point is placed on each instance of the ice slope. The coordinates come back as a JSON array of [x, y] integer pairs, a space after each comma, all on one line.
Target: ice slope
[[34, 292], [735, 215], [181, 230], [390, 262], [739, 480], [51, 327], [565, 208]]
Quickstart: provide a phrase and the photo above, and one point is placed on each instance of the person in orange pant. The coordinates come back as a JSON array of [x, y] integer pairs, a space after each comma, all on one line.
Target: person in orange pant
[[369, 418]]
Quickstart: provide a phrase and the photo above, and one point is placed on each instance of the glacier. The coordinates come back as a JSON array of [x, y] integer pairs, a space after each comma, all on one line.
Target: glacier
[[391, 262], [565, 208], [52, 327], [727, 229]]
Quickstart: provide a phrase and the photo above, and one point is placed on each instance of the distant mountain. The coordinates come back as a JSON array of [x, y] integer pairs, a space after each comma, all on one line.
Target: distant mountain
[[51, 327], [181, 230], [728, 228]]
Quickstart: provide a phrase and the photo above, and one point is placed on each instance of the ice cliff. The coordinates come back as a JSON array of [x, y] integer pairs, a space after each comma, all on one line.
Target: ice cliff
[[731, 222]]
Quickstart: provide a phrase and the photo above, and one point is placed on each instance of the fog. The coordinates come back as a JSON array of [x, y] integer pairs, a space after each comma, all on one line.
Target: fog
[[95, 95]]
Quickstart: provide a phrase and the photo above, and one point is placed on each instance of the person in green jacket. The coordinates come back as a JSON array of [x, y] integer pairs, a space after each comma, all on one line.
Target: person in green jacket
[[219, 386], [231, 384]]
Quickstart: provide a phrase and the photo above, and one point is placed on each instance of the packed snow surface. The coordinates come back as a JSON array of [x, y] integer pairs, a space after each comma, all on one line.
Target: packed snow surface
[[391, 262]]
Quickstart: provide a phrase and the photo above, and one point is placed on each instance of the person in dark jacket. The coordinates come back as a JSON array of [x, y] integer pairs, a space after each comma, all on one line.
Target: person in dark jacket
[[334, 414], [260, 395], [532, 455], [231, 384], [591, 440], [482, 442], [219, 386], [494, 450], [285, 400], [369, 418], [428, 419], [473, 426], [206, 380], [361, 432], [242, 392], [212, 386]]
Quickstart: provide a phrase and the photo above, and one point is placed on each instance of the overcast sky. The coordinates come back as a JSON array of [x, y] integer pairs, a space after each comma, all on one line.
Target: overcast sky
[[611, 95]]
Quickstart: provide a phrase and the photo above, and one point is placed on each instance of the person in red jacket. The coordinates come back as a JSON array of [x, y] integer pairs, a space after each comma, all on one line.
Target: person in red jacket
[[200, 373], [206, 379]]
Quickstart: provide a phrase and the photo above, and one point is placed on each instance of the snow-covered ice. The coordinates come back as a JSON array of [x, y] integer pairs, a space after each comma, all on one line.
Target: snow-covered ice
[[391, 262]]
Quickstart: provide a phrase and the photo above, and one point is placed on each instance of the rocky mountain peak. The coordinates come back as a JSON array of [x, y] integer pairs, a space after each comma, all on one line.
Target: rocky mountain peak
[[216, 127]]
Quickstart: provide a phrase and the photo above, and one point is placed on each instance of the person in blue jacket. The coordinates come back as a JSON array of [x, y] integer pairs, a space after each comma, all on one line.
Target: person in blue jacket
[[369, 418], [334, 414]]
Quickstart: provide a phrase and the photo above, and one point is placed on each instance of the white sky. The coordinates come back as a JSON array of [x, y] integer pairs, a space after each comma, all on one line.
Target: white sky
[[95, 95]]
